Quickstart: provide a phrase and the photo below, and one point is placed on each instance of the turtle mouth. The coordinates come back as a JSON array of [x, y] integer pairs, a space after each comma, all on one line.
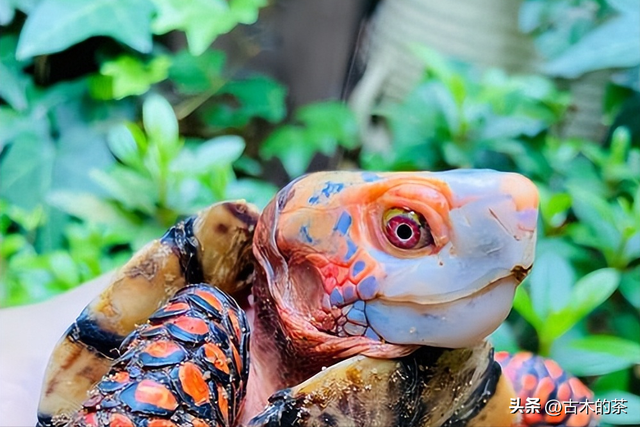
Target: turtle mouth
[[452, 324]]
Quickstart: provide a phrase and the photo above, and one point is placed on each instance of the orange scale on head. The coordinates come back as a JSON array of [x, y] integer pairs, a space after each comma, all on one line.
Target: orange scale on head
[[216, 357], [193, 383], [235, 323], [120, 420], [501, 356], [210, 298]]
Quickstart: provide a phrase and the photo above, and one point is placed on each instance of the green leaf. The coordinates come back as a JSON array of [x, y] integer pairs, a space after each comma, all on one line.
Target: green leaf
[[522, 304], [55, 25], [129, 188], [201, 20], [64, 268], [128, 75], [329, 123], [504, 339], [254, 191], [289, 145], [630, 287], [550, 282], [124, 146], [197, 74], [89, 208], [257, 96], [160, 122], [216, 152], [25, 175], [597, 355], [614, 44], [587, 294]]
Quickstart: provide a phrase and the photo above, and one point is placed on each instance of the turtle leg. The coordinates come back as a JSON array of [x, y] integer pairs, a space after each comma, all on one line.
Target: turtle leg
[[213, 247], [187, 366], [429, 388], [538, 381]]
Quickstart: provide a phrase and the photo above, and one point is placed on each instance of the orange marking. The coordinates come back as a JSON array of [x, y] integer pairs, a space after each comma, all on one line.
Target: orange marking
[[529, 382], [564, 392], [154, 393], [544, 389], [554, 369], [533, 418], [193, 383], [210, 298], [176, 306], [157, 422], [192, 325], [216, 356], [223, 404], [500, 356], [199, 423], [119, 420], [521, 189], [120, 377], [162, 348], [236, 357]]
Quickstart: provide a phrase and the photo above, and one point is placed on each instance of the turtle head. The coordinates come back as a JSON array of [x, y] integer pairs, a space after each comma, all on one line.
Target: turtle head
[[370, 262]]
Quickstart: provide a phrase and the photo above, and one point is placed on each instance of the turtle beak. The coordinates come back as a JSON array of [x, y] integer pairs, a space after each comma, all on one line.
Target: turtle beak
[[460, 295]]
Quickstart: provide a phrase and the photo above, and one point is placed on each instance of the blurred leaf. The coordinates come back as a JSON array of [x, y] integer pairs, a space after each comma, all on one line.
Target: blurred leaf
[[597, 355], [550, 283], [258, 96], [197, 74], [15, 82], [254, 191], [55, 25], [289, 145], [504, 339], [25, 175], [129, 188], [89, 208], [64, 268], [123, 146], [587, 294], [522, 304], [128, 75], [628, 415], [201, 20], [216, 152], [329, 122], [630, 287], [614, 44], [160, 122]]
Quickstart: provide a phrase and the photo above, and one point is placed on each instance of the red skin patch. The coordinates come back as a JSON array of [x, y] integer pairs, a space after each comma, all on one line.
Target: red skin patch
[[554, 369], [216, 357], [153, 393], [119, 420], [192, 325], [210, 298], [91, 420], [193, 383], [162, 348]]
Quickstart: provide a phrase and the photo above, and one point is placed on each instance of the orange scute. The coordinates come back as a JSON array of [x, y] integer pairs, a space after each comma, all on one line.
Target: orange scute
[[157, 422], [192, 325], [216, 356], [210, 298], [554, 369], [193, 383], [199, 423], [545, 388], [236, 324], [529, 382], [579, 389], [578, 419], [119, 420], [154, 393], [120, 377], [161, 348], [564, 392], [90, 420], [223, 404]]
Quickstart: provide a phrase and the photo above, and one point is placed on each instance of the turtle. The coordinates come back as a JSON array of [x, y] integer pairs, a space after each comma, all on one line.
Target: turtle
[[370, 298]]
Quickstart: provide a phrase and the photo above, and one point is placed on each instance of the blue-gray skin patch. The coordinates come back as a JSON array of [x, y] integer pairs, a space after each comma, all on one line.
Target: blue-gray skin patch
[[367, 288], [352, 248], [336, 297], [343, 224], [330, 188], [370, 177], [357, 316], [304, 232], [357, 268]]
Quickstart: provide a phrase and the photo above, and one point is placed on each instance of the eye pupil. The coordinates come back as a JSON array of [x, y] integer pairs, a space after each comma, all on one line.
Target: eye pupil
[[404, 232]]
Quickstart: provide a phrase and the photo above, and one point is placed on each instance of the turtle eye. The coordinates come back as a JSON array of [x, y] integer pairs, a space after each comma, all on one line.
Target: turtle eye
[[406, 229]]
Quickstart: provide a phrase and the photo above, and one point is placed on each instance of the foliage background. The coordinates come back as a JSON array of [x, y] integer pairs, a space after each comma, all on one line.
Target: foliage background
[[110, 131]]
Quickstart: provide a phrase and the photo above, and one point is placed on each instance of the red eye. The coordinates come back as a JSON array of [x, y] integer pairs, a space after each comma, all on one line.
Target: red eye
[[406, 229]]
